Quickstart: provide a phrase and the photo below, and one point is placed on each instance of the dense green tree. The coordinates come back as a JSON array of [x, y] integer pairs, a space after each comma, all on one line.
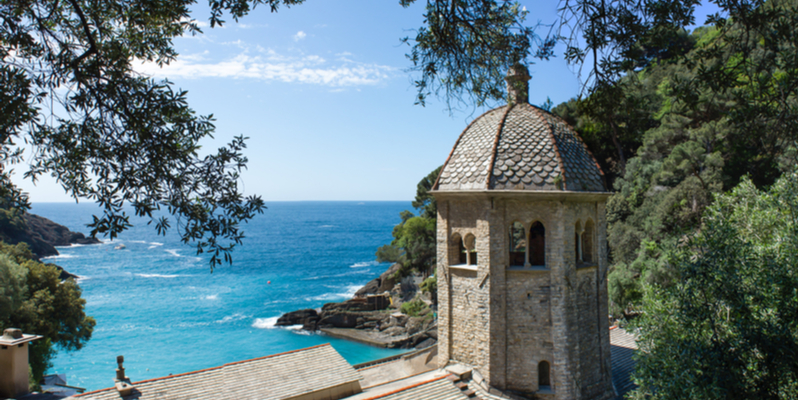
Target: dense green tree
[[414, 243], [726, 326], [698, 145], [35, 300]]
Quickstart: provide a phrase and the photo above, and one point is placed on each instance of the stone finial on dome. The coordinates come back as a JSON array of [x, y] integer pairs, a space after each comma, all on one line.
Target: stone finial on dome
[[517, 84]]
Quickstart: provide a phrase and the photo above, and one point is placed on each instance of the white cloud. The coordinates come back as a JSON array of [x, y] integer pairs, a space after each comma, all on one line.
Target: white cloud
[[299, 36], [311, 69], [241, 25]]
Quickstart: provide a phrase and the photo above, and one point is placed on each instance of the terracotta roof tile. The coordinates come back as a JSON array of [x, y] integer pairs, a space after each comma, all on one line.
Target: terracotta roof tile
[[278, 376], [439, 389]]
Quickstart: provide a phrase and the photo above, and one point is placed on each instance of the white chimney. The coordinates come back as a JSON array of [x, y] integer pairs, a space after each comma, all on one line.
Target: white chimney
[[14, 359]]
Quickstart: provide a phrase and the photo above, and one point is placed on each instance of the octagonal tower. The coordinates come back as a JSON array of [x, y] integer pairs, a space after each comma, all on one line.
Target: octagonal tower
[[521, 250]]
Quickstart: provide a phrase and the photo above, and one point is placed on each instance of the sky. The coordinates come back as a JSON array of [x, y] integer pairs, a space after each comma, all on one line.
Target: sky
[[323, 92]]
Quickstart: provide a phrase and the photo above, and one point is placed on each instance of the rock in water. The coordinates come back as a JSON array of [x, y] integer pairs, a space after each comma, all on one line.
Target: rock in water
[[299, 317]]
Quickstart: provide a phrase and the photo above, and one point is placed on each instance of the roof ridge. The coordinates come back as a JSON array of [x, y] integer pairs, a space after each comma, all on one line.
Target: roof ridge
[[407, 387], [496, 143], [555, 148], [436, 184], [207, 369]]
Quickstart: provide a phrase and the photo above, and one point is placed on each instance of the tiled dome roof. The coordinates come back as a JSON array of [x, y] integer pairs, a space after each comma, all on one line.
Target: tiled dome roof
[[520, 147]]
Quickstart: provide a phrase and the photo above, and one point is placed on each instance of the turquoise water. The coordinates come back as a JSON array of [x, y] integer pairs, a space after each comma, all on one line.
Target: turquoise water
[[156, 303]]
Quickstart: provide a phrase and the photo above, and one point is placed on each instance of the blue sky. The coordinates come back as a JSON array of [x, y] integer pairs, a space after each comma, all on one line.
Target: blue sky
[[323, 93]]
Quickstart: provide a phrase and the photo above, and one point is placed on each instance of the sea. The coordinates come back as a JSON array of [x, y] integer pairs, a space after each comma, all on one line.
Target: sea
[[157, 303]]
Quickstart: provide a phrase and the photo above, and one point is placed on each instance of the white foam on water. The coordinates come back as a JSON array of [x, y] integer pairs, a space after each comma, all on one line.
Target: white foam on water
[[74, 245], [82, 278], [60, 256], [156, 276], [352, 289], [293, 327], [265, 323], [174, 252], [363, 264], [233, 318], [348, 294], [138, 241], [212, 297], [327, 226]]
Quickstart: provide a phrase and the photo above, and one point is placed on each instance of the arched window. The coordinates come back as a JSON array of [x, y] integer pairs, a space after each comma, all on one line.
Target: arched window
[[457, 253], [578, 252], [536, 248], [544, 375], [587, 242], [517, 245], [471, 254]]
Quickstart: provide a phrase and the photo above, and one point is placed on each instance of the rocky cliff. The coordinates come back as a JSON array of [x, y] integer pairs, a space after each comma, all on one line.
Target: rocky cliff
[[41, 234]]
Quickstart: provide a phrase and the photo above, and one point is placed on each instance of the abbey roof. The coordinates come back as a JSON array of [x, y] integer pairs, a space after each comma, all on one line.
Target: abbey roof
[[520, 147]]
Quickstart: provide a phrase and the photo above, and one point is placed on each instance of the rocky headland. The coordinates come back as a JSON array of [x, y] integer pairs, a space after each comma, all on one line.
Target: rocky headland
[[41, 235], [376, 315]]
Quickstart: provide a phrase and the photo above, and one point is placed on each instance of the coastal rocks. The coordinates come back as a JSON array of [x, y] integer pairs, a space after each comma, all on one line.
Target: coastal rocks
[[42, 235], [374, 316], [383, 283], [62, 273], [300, 317]]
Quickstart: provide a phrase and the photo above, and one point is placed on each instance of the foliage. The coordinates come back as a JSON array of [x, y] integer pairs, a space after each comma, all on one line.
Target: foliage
[[429, 285], [108, 134], [388, 253], [465, 47], [414, 308], [726, 327], [13, 278], [414, 243], [671, 134], [424, 200], [39, 302]]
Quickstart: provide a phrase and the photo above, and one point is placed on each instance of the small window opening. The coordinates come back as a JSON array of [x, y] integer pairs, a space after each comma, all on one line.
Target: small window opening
[[587, 242], [517, 245], [578, 252], [544, 375], [537, 244], [471, 253], [458, 254]]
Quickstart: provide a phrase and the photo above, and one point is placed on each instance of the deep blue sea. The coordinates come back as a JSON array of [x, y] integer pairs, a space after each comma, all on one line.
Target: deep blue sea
[[156, 303]]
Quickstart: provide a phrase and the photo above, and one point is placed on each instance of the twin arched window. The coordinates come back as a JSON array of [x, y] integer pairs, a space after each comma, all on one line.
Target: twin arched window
[[527, 248], [462, 251]]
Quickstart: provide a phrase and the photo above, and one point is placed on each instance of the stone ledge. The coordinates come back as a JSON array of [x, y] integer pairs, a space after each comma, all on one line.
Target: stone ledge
[[527, 269], [465, 267]]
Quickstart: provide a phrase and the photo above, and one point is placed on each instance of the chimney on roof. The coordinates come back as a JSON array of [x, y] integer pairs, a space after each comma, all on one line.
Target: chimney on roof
[[122, 382], [14, 359], [517, 84]]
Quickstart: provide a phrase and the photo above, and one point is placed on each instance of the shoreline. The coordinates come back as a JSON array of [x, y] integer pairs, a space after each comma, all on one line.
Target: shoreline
[[373, 316]]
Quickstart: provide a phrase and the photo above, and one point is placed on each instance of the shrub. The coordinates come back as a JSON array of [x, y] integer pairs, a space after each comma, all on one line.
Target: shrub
[[413, 308]]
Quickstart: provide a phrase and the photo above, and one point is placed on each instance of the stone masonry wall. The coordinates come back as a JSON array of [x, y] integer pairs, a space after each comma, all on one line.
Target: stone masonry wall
[[504, 321], [529, 333], [587, 330], [465, 309], [526, 296]]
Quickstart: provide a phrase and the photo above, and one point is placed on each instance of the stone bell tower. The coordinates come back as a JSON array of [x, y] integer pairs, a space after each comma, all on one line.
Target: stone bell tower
[[521, 250]]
